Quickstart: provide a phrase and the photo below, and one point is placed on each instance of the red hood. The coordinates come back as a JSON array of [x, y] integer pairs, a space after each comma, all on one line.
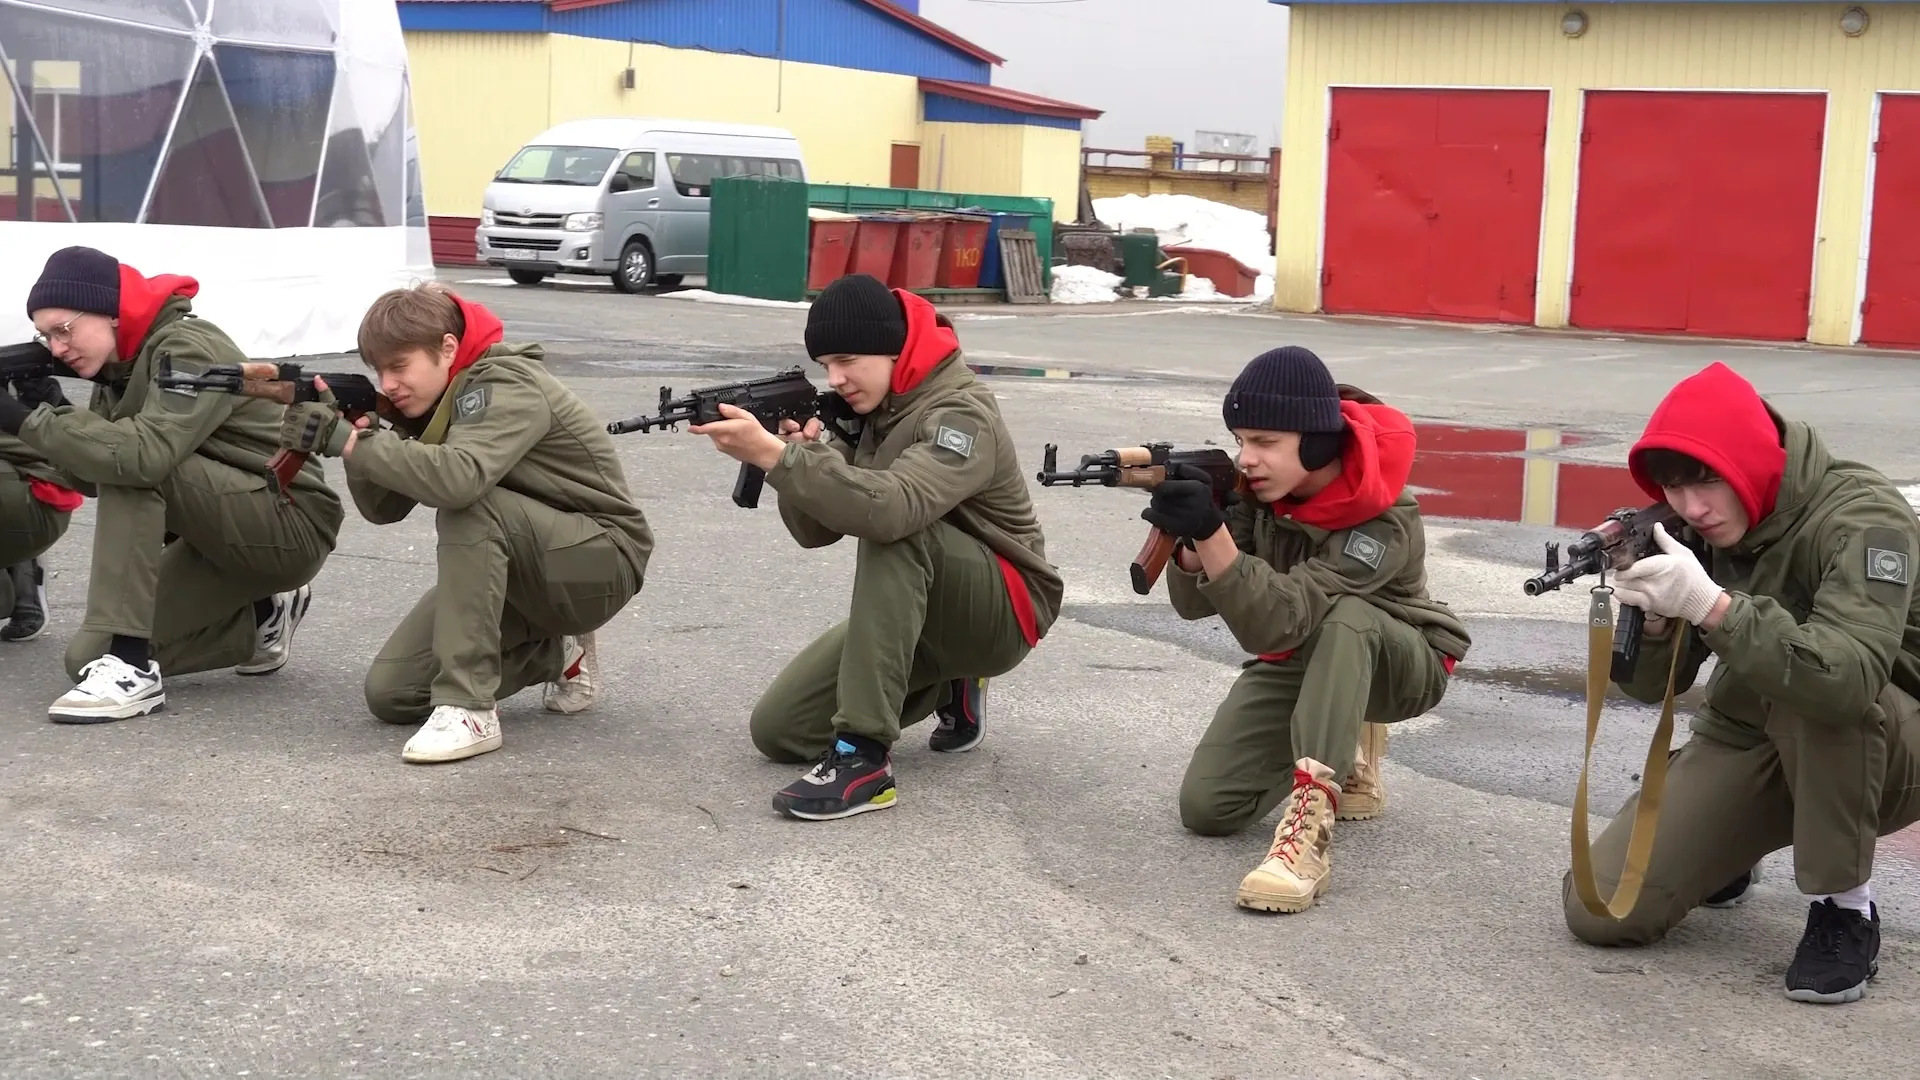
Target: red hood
[[141, 299], [928, 343], [484, 331], [1373, 470], [1718, 417]]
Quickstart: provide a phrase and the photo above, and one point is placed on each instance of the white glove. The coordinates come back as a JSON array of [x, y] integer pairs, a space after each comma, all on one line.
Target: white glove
[[1673, 585]]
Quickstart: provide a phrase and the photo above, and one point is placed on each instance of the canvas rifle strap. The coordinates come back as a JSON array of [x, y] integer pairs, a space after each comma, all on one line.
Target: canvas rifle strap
[[1653, 777]]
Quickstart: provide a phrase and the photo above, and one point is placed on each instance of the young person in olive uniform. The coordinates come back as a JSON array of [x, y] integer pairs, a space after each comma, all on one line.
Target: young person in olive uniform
[[951, 583], [199, 562], [36, 504], [1321, 574], [1810, 733], [540, 542]]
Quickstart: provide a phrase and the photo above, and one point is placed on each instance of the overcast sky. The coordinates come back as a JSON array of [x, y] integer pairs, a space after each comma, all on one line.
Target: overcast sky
[[1158, 67]]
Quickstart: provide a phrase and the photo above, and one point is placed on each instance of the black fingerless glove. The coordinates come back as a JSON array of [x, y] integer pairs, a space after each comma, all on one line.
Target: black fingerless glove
[[1184, 508], [12, 414]]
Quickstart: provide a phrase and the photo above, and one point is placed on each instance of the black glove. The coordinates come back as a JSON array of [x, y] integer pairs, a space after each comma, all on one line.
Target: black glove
[[1183, 506], [42, 391]]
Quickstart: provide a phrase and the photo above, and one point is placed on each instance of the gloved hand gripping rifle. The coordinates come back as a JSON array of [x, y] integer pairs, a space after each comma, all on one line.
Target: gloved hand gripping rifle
[[1147, 467], [788, 395], [354, 395]]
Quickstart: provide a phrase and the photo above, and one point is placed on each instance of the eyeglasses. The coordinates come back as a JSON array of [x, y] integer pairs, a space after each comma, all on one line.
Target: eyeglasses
[[62, 333]]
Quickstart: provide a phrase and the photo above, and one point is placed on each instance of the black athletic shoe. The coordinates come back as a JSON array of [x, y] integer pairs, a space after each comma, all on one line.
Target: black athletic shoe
[[963, 719], [1839, 952], [29, 616], [845, 782], [1735, 892]]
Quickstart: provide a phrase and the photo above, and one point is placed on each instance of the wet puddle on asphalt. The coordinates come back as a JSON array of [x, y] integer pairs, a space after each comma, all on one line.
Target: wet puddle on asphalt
[[1503, 474]]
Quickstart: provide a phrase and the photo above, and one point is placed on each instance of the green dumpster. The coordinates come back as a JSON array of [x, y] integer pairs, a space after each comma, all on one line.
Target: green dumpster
[[758, 238]]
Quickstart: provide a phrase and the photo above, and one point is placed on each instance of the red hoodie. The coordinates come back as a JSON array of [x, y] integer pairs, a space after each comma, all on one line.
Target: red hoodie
[[1718, 418], [484, 331], [929, 344], [1374, 466]]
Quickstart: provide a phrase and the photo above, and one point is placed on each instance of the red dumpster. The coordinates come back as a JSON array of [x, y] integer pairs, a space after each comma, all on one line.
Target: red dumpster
[[829, 250], [962, 253], [916, 258], [873, 245]]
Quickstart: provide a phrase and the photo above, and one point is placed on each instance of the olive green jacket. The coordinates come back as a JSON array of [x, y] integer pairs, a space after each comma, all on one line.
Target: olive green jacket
[[1289, 575], [134, 433], [505, 422], [939, 452], [1822, 611]]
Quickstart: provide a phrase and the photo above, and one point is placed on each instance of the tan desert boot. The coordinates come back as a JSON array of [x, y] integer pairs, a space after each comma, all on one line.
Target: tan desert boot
[[1296, 868], [1364, 795]]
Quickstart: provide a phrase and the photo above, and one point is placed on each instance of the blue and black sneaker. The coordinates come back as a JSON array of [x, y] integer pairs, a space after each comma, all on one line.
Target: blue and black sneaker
[[849, 779]]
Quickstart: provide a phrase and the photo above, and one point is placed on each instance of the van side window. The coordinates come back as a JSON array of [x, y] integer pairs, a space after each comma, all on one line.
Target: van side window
[[694, 174], [638, 167]]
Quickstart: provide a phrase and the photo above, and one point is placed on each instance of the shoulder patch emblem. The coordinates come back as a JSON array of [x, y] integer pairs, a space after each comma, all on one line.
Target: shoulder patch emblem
[[1365, 548], [957, 441], [1888, 566], [472, 403]]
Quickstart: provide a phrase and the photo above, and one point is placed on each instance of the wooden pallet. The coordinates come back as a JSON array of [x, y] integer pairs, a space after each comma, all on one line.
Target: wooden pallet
[[1020, 266]]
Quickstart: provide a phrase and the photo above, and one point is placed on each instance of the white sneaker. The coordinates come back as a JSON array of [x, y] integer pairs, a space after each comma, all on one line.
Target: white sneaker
[[574, 691], [274, 644], [111, 689], [453, 733]]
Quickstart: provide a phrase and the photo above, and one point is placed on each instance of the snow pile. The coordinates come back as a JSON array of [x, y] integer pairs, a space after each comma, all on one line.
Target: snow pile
[[1189, 219], [705, 296], [1084, 285]]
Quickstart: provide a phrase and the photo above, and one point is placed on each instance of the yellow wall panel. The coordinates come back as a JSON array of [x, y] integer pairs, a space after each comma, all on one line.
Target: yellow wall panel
[[980, 159], [476, 99], [1626, 46], [1050, 168], [846, 120]]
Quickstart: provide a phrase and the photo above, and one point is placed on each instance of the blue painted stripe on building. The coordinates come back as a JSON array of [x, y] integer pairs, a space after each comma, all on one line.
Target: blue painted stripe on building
[[942, 109], [521, 18], [730, 26], [851, 34], [836, 33]]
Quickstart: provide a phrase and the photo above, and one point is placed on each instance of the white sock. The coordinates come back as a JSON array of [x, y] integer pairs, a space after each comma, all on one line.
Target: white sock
[[1859, 898]]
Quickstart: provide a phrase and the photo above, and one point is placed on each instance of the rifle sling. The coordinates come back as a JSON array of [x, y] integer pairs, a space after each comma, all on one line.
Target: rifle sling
[[1653, 782]]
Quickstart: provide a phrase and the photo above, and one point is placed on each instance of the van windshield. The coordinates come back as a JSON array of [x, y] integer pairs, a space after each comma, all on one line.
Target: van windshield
[[581, 166]]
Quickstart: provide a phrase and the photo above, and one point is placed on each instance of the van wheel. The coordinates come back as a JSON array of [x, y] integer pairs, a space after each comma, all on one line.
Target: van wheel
[[635, 271], [526, 277]]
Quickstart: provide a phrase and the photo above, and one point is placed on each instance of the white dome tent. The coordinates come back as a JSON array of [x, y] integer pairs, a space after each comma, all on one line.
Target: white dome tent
[[265, 147]]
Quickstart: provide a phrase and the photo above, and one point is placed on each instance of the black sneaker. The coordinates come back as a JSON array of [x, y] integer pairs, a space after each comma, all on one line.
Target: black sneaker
[[962, 719], [1839, 952], [29, 616], [845, 782], [1735, 892]]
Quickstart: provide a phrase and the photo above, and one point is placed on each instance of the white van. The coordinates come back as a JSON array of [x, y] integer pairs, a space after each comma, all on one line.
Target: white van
[[625, 196]]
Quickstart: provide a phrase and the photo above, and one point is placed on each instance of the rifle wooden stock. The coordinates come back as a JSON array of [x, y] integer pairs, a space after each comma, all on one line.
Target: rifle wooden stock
[[1152, 560]]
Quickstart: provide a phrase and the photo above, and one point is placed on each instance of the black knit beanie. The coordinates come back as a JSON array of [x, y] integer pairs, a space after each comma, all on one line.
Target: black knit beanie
[[79, 278], [1286, 389], [856, 314]]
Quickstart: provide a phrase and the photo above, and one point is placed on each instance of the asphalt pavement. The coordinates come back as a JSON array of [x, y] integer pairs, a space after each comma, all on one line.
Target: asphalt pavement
[[252, 883]]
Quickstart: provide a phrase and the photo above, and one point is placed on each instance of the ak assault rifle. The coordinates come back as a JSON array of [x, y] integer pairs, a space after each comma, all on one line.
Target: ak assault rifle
[[1624, 538], [287, 384], [26, 362], [1147, 467], [788, 395]]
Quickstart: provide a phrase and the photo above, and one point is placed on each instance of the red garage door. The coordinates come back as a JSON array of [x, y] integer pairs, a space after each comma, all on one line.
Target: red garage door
[[1890, 314], [1433, 203], [1697, 212]]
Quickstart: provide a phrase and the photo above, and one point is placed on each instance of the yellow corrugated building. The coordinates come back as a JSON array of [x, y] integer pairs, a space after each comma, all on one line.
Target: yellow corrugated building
[[875, 94], [1730, 169]]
